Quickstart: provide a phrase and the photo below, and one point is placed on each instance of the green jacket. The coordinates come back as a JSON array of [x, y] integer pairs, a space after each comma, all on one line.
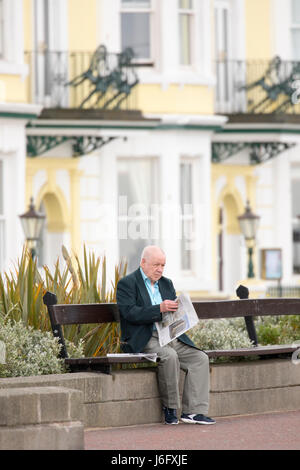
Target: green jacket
[[137, 314]]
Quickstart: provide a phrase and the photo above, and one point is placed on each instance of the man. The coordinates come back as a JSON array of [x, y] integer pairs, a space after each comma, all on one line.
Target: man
[[143, 297]]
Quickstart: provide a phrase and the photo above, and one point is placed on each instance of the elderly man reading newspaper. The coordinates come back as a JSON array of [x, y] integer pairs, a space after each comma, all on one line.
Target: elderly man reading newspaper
[[144, 299]]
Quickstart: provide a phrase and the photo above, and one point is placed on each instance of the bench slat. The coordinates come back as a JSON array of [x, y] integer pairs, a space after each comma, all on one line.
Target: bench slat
[[105, 360], [67, 314], [247, 307], [101, 363], [255, 351]]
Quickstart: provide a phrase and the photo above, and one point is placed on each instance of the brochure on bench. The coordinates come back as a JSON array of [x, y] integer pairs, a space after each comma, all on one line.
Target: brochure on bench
[[150, 356], [177, 323]]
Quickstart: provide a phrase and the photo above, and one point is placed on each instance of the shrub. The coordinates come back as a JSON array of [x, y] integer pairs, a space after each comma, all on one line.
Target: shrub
[[290, 329], [278, 329], [268, 330], [220, 334]]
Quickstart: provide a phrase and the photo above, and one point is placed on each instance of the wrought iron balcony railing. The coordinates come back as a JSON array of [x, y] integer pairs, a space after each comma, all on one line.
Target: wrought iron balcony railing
[[103, 80], [100, 79], [257, 86]]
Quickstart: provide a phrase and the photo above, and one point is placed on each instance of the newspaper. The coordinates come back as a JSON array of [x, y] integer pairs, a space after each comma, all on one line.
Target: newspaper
[[149, 356], [176, 323]]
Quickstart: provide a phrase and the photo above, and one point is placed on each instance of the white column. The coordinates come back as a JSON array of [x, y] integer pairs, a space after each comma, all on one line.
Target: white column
[[169, 202], [109, 24], [14, 187], [283, 211], [108, 207], [169, 40]]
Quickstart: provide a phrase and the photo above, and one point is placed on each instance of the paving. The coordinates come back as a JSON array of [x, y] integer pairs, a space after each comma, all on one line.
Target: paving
[[268, 431]]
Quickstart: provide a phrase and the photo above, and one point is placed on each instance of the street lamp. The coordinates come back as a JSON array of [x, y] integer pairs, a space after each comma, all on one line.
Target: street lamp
[[248, 225], [32, 223]]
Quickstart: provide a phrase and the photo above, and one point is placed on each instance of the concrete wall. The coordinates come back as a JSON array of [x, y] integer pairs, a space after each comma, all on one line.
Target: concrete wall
[[50, 411], [258, 387], [40, 418]]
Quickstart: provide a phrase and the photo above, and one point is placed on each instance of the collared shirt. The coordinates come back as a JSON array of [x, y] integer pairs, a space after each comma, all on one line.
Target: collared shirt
[[153, 289]]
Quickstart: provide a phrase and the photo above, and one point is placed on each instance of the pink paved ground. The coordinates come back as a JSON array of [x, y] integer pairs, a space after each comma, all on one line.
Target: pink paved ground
[[270, 431]]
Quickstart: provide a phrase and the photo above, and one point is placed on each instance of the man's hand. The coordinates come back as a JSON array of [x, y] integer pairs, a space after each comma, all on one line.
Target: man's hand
[[168, 306]]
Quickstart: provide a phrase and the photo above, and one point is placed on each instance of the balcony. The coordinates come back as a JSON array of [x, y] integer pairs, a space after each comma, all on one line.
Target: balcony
[[257, 87], [107, 81], [93, 80]]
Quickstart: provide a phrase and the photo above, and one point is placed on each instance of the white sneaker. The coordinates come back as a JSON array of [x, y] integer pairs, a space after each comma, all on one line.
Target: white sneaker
[[196, 419]]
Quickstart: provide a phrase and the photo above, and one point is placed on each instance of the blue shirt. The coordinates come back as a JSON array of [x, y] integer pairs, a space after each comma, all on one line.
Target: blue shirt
[[153, 290]]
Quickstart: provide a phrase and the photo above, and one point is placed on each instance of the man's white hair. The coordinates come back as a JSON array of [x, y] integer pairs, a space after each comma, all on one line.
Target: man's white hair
[[149, 250]]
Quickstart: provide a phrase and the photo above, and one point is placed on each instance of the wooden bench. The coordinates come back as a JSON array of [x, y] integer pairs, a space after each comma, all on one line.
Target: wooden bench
[[67, 314]]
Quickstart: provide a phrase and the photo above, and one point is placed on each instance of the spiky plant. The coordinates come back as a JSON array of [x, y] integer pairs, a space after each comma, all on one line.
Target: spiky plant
[[22, 290]]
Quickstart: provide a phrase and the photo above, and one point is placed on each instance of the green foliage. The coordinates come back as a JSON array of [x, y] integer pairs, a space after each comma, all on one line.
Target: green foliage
[[278, 329], [268, 331], [28, 351], [290, 328], [232, 333], [221, 334]]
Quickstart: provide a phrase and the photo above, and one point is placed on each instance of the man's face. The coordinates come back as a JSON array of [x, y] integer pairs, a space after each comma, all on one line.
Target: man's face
[[153, 266]]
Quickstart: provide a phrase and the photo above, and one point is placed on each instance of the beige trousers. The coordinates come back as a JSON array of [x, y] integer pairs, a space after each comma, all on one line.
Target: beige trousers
[[173, 357]]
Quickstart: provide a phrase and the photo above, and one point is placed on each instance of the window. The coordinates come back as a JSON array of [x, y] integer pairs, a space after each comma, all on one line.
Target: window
[[222, 28], [137, 190], [187, 217], [136, 28], [295, 29], [2, 221], [49, 58], [185, 31]]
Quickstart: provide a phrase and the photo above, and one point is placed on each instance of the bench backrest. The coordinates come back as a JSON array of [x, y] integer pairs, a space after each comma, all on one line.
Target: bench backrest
[[247, 307], [67, 314]]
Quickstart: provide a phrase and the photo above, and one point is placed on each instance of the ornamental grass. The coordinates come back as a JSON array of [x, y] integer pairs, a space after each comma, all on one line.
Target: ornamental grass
[[23, 287]]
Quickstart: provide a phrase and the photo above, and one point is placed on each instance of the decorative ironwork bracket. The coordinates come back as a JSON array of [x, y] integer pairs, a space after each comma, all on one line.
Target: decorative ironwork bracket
[[86, 144], [223, 150], [259, 152], [39, 144], [278, 88], [81, 145]]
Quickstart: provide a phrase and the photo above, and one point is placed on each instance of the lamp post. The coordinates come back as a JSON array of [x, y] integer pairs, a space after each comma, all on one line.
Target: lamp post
[[32, 223], [248, 225]]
